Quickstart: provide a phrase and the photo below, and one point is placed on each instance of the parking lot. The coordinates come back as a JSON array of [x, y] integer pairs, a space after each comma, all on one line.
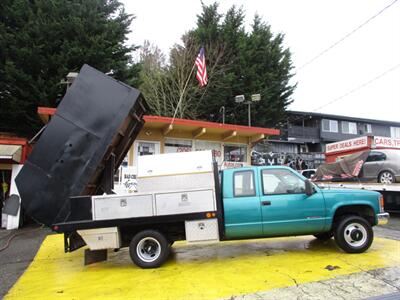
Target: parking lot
[[278, 268]]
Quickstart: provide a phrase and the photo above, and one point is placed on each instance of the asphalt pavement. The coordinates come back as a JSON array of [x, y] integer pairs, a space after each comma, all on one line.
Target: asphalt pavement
[[20, 247]]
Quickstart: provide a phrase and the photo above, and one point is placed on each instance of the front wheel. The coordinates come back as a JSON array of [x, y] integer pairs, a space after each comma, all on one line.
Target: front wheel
[[353, 234], [149, 249]]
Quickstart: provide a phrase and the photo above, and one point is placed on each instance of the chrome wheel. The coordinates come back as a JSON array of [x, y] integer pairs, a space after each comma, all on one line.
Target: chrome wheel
[[355, 235], [386, 178], [148, 249]]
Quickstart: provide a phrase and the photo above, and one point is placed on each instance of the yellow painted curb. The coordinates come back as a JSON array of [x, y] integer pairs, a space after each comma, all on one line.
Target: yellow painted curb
[[196, 271]]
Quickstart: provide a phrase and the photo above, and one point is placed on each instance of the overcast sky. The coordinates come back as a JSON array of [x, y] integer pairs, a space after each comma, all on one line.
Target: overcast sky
[[310, 26]]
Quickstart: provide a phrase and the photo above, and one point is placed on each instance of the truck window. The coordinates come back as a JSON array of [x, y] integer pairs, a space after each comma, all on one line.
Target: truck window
[[243, 183], [280, 181]]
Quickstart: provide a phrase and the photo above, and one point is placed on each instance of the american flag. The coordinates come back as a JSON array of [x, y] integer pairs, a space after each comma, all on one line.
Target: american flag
[[201, 74]]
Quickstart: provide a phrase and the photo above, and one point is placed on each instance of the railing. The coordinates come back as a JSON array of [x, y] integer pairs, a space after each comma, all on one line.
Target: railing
[[303, 132]]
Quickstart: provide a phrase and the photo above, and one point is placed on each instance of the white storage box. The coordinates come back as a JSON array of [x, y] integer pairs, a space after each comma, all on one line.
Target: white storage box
[[101, 238], [184, 202], [202, 230], [176, 182], [175, 163], [108, 207]]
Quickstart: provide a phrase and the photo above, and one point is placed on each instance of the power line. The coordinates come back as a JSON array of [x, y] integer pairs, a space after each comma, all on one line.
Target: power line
[[346, 36], [358, 87], [346, 94]]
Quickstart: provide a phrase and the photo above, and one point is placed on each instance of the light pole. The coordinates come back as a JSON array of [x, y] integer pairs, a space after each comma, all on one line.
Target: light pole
[[241, 99], [222, 110]]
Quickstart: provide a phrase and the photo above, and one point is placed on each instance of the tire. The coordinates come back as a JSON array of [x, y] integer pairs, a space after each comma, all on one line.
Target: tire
[[353, 234], [149, 249], [386, 177], [324, 236]]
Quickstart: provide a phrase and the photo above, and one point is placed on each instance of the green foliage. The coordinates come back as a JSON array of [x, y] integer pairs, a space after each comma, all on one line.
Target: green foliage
[[252, 62], [238, 62], [42, 40]]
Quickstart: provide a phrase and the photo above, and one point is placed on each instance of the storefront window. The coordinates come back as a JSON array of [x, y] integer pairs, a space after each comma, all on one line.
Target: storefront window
[[176, 145], [146, 148], [216, 149], [235, 153]]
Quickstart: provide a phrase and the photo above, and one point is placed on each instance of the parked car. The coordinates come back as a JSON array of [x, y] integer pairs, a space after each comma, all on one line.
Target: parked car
[[308, 173], [383, 166]]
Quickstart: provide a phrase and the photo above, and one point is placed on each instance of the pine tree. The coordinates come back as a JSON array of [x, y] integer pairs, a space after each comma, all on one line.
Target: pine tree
[[252, 63], [42, 40]]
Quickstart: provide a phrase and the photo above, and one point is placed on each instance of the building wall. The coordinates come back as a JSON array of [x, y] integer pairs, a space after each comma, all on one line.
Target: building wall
[[380, 130], [157, 136], [284, 147], [377, 130]]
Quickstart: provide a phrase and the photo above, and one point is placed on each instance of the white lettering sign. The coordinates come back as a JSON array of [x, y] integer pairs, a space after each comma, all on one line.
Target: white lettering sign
[[347, 145], [386, 142]]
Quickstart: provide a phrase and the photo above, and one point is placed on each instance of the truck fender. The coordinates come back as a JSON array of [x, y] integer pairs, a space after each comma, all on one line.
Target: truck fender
[[361, 208]]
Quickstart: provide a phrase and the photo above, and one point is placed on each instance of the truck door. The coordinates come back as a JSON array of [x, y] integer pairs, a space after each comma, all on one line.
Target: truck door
[[285, 207], [242, 211]]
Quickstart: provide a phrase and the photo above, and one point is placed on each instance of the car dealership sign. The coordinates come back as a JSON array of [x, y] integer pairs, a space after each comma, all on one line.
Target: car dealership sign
[[347, 145], [364, 142], [386, 142]]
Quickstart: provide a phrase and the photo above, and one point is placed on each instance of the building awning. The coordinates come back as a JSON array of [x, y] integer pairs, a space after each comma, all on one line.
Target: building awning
[[197, 129], [11, 152]]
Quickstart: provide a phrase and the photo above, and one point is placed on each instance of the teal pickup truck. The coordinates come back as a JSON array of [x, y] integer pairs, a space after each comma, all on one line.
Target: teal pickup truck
[[277, 201], [67, 183], [250, 202]]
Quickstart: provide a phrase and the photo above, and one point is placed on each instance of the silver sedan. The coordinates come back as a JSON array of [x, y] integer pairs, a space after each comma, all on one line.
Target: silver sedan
[[382, 165]]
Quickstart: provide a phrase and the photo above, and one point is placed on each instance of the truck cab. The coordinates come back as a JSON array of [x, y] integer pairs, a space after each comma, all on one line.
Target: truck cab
[[277, 201], [270, 201]]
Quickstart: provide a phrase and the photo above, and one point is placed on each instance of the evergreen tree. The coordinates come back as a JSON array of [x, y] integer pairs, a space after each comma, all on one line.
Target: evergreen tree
[[252, 63], [42, 40], [237, 63]]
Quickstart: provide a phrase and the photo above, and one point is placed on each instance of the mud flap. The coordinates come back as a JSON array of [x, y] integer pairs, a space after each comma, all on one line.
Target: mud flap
[[94, 256]]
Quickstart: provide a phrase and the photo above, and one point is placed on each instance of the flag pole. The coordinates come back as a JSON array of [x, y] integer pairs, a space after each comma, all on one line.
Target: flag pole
[[181, 97]]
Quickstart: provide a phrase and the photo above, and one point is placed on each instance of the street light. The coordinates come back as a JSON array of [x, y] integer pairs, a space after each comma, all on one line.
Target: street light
[[69, 79], [239, 98], [254, 98]]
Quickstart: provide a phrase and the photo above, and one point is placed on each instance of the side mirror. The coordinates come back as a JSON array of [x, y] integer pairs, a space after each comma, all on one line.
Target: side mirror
[[309, 187]]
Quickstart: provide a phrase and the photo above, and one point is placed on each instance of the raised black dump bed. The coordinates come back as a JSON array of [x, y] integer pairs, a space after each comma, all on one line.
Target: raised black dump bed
[[82, 146]]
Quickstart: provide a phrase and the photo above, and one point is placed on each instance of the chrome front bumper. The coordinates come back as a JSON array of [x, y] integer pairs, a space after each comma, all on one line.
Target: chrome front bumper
[[383, 218]]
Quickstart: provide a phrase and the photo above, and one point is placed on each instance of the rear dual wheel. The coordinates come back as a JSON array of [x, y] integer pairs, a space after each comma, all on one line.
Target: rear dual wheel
[[149, 249]]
